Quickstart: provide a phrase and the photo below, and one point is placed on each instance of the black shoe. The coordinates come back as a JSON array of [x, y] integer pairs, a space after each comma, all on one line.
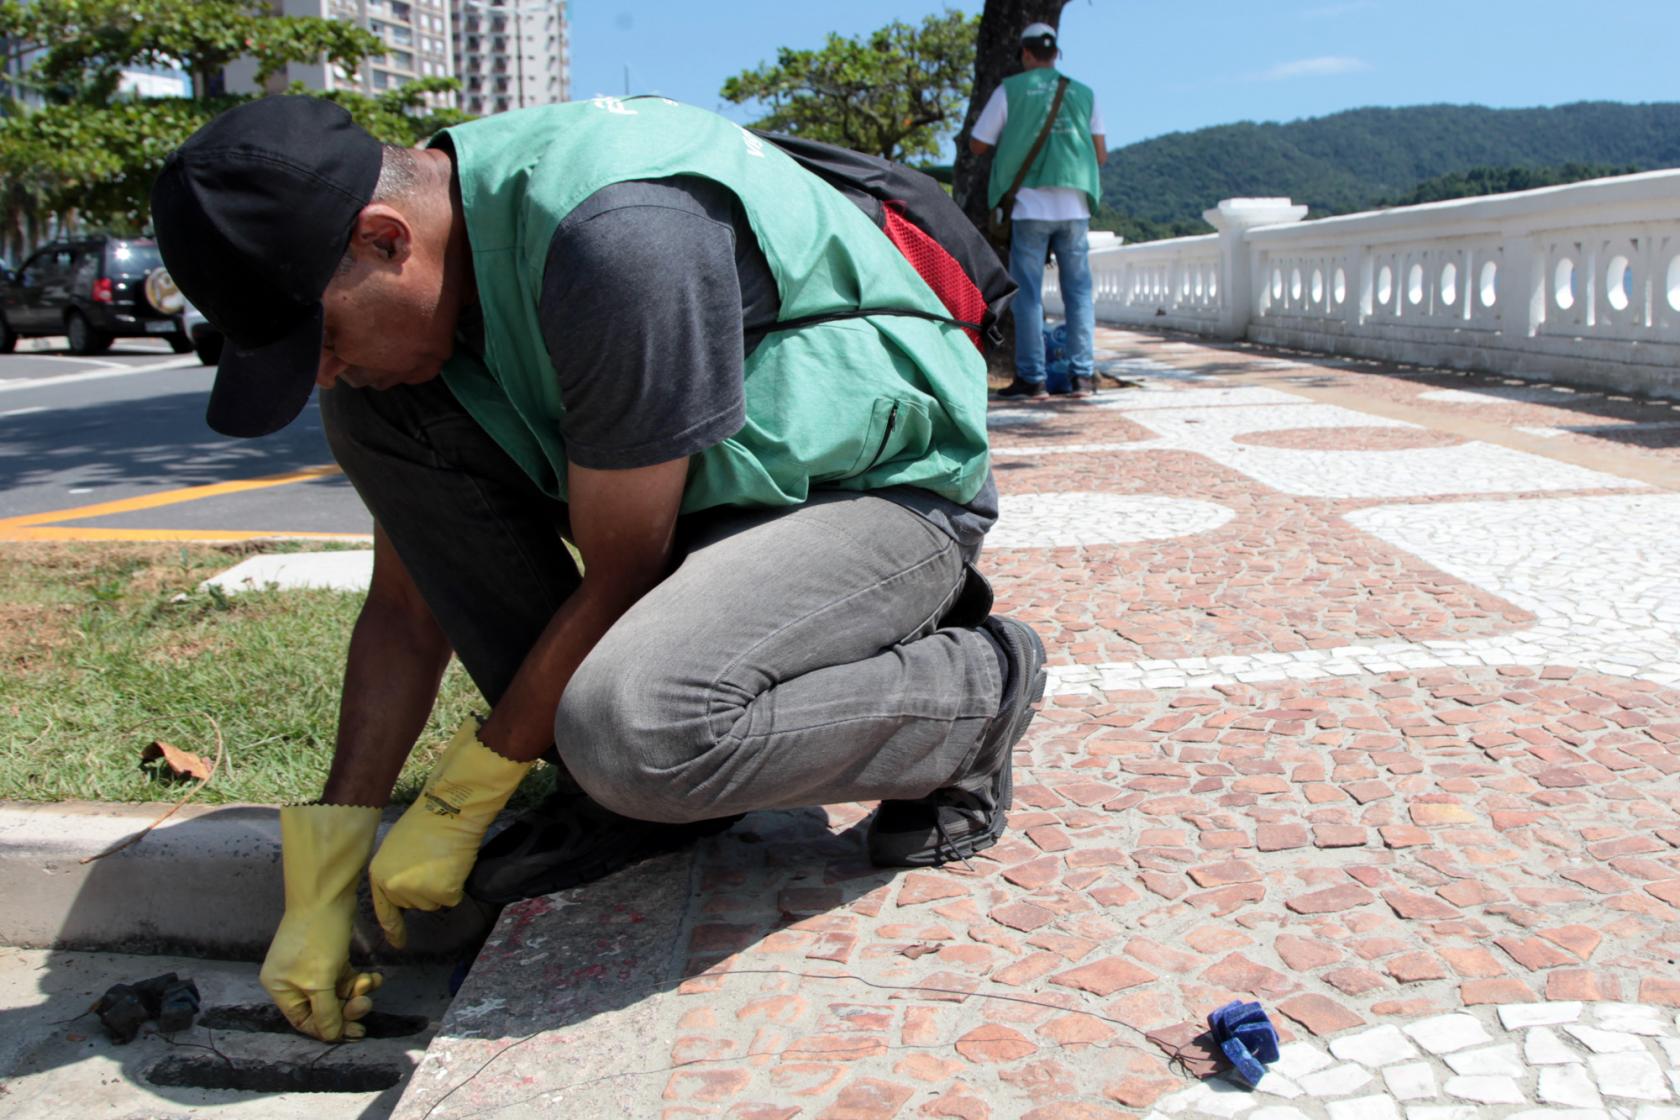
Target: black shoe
[[1075, 388], [1021, 390], [570, 840], [968, 816]]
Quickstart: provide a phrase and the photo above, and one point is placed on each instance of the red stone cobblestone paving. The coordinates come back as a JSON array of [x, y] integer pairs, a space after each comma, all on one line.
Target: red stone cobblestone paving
[[1351, 851], [1286, 574], [1342, 850]]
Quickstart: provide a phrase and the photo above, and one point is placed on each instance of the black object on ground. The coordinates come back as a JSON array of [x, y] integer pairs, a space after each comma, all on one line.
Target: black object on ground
[[123, 1013], [124, 1008], [272, 1077], [267, 1019], [178, 1007]]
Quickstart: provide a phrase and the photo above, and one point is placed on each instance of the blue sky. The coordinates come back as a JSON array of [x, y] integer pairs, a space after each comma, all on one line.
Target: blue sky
[[1170, 65]]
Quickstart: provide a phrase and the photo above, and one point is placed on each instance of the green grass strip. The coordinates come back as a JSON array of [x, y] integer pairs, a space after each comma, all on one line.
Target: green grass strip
[[104, 648]]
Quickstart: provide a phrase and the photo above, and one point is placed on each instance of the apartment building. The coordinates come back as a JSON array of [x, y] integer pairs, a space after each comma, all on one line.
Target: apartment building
[[416, 32], [511, 53]]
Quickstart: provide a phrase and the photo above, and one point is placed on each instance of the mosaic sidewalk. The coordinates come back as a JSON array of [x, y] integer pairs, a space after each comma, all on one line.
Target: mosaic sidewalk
[[1365, 704]]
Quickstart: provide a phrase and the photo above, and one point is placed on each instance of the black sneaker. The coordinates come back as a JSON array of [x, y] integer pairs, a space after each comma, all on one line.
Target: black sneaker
[[1075, 388], [570, 840], [1021, 390], [968, 816]]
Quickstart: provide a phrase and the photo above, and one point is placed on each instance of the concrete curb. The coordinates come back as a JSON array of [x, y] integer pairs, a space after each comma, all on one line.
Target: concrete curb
[[204, 883]]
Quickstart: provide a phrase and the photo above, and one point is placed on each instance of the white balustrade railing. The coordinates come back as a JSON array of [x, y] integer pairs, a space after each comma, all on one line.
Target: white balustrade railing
[[1578, 283]]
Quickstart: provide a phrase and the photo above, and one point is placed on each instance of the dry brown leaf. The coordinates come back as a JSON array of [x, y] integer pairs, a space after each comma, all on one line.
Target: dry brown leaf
[[182, 764], [915, 951]]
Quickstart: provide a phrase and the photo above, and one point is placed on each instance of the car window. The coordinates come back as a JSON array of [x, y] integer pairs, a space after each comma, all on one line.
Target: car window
[[131, 258], [84, 272], [45, 267]]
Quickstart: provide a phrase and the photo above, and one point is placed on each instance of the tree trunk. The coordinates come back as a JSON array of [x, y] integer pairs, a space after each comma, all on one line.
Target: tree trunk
[[997, 55]]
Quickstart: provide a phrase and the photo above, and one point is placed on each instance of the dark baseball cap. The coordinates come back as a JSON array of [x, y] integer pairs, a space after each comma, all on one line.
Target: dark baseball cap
[[253, 214]]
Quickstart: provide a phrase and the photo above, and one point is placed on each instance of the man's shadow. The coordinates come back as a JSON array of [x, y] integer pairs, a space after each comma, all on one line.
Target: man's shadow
[[569, 997], [202, 897], [558, 965]]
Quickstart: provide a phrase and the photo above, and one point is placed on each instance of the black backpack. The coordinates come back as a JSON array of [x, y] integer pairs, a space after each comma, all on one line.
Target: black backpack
[[931, 230]]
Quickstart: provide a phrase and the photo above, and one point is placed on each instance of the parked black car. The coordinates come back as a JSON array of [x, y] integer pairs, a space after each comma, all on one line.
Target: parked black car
[[206, 339], [92, 290]]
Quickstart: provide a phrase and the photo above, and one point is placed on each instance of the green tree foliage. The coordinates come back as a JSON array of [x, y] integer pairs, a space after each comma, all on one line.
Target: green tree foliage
[[894, 92], [1501, 180], [92, 153], [1355, 160], [90, 42]]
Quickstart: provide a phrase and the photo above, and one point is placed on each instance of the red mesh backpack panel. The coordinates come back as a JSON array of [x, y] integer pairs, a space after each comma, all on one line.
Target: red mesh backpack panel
[[938, 268]]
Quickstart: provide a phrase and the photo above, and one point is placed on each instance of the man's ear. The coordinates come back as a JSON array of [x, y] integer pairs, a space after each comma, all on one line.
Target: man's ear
[[382, 232]]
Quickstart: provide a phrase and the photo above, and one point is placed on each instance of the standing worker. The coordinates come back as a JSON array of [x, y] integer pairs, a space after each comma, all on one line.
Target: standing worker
[[579, 321], [1045, 176]]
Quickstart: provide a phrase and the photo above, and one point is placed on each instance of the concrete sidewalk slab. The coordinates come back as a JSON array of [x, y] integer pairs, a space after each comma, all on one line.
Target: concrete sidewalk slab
[[58, 1064], [206, 881], [348, 570]]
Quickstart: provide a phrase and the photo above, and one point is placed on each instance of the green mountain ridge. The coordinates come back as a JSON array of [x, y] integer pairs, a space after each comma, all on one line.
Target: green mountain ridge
[[1354, 159]]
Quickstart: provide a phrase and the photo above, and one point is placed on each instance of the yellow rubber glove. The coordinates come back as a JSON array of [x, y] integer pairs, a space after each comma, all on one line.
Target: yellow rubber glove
[[424, 860], [307, 971]]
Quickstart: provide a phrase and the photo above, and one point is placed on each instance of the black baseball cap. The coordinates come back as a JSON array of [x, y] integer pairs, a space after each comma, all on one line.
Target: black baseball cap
[[253, 214]]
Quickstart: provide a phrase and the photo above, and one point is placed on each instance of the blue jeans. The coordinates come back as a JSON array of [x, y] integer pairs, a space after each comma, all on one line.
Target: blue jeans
[[1030, 242]]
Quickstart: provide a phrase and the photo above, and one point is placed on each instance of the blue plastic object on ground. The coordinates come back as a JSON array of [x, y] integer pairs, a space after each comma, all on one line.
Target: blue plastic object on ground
[[1247, 1038], [1056, 373]]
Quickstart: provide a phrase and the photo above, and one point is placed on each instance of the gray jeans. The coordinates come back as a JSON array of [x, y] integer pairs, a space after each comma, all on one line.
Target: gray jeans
[[821, 653]]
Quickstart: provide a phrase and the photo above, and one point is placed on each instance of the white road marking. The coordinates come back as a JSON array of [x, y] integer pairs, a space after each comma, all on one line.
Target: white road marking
[[98, 374]]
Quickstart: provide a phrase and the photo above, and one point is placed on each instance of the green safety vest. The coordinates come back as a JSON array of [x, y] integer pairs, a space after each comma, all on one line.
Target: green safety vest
[[1069, 155], [852, 404]]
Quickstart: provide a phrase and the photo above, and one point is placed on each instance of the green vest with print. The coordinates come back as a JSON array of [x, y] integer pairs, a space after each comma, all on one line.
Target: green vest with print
[[1069, 155], [852, 404]]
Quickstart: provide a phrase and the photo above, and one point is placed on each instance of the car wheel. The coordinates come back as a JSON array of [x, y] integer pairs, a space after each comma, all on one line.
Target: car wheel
[[83, 338], [209, 348], [180, 343], [8, 337]]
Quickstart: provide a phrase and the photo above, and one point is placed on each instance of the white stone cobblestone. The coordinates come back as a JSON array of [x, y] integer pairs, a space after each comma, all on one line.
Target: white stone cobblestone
[[1514, 1015], [1483, 1068], [1209, 421], [1545, 394], [1068, 519], [1489, 1060], [1608, 601], [1569, 1085], [1377, 1047], [1543, 1047]]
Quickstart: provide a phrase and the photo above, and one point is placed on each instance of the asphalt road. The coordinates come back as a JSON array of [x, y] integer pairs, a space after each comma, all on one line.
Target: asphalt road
[[115, 447]]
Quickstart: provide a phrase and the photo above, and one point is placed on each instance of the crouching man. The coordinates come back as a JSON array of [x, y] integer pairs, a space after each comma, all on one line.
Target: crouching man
[[594, 322]]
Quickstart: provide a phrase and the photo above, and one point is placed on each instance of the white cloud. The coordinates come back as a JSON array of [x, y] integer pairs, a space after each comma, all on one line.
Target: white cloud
[[1324, 67]]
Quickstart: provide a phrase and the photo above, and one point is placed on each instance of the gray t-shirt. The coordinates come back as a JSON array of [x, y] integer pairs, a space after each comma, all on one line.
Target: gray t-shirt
[[654, 293]]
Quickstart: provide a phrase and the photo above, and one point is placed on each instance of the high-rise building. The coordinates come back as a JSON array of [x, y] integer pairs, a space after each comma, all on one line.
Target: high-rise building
[[416, 34], [511, 53]]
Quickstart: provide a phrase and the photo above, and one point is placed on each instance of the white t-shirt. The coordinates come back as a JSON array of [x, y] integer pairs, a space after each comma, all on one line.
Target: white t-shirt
[[1043, 204]]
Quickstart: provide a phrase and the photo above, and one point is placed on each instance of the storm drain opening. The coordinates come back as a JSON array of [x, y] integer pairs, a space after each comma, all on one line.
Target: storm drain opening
[[266, 1019], [272, 1077]]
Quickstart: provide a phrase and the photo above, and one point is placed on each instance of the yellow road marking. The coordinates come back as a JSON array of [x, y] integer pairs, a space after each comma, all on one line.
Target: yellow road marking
[[44, 526], [218, 536]]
